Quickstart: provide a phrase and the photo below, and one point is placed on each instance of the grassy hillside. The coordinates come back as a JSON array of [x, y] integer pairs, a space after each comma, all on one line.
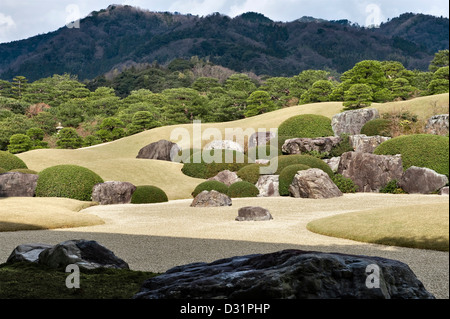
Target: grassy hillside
[[116, 161]]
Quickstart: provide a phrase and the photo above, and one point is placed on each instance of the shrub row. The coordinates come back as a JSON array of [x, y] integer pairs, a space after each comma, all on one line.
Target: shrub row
[[235, 190]]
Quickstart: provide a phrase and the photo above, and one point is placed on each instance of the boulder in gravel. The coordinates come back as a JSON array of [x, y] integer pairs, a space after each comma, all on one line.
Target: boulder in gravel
[[14, 184], [162, 150], [84, 253], [111, 193], [288, 274], [227, 177], [444, 191], [305, 145], [421, 180], [438, 125], [366, 144], [211, 199], [268, 185], [369, 171], [27, 253], [224, 145], [253, 213], [351, 122], [313, 183]]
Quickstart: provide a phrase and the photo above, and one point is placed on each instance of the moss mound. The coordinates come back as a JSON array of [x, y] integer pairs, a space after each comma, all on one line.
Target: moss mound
[[308, 160], [287, 176], [420, 150], [147, 194], [377, 127], [306, 126], [219, 160], [10, 161], [242, 189], [69, 181], [209, 186], [249, 173]]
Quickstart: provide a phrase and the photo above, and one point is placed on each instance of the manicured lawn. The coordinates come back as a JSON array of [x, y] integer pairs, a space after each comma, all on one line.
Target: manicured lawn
[[29, 281], [421, 226]]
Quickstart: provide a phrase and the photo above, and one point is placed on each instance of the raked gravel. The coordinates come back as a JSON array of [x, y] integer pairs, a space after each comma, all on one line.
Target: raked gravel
[[157, 237]]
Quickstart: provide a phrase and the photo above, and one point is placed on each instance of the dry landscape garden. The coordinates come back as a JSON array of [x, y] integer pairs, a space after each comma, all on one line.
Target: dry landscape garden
[[326, 175]]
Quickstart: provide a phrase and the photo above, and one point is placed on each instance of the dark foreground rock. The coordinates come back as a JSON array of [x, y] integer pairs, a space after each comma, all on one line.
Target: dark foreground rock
[[289, 274], [27, 253], [162, 150]]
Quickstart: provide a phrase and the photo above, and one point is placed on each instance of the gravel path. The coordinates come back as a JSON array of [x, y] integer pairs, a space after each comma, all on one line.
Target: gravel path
[[160, 236]]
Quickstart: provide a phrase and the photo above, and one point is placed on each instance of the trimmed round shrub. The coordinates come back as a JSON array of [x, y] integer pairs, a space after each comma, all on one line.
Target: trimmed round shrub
[[345, 185], [377, 127], [263, 152], [308, 160], [242, 189], [69, 181], [287, 176], [249, 173], [306, 126], [209, 186], [229, 160], [422, 150], [10, 161], [147, 194]]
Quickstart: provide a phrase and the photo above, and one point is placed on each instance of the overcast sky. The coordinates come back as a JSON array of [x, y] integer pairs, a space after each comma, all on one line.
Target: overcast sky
[[20, 19]]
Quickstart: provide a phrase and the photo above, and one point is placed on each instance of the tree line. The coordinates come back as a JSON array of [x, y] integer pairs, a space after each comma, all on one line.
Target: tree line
[[60, 111]]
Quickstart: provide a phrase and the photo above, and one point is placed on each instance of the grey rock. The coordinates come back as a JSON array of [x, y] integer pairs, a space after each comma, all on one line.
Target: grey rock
[[421, 180], [260, 138], [351, 122], [304, 145], [16, 184], [313, 183], [366, 144], [211, 199], [444, 191], [289, 274], [253, 213], [369, 171], [111, 193], [86, 254], [224, 145], [333, 163], [438, 125], [268, 185], [162, 150], [227, 177], [27, 253]]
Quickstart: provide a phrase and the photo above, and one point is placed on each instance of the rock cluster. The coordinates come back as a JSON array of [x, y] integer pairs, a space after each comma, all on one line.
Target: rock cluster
[[305, 145], [289, 274]]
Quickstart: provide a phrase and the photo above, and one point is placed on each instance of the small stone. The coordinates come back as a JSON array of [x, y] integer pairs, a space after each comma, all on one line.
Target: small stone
[[253, 213]]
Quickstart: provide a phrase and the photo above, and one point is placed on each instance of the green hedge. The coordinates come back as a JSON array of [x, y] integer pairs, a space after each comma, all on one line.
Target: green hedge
[[287, 176], [250, 173], [345, 185], [148, 194], [308, 160], [207, 170], [242, 189], [420, 150], [68, 181], [307, 125], [209, 186], [377, 127], [10, 161]]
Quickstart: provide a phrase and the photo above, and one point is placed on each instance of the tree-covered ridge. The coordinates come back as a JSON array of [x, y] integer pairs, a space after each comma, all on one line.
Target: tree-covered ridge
[[121, 35], [138, 99]]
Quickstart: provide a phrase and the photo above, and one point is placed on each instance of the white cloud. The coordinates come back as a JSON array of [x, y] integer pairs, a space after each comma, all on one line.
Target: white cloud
[[197, 7], [7, 25]]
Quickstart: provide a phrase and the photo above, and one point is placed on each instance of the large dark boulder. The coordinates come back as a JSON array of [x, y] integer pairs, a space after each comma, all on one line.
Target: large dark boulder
[[422, 180], [110, 193], [86, 254], [162, 150], [27, 253], [16, 184], [289, 274], [253, 213], [369, 171]]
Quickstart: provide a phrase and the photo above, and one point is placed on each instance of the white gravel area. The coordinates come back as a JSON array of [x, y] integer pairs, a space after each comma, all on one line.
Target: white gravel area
[[161, 236]]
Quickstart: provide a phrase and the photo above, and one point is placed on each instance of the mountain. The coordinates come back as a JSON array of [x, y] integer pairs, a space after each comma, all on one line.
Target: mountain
[[121, 35]]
